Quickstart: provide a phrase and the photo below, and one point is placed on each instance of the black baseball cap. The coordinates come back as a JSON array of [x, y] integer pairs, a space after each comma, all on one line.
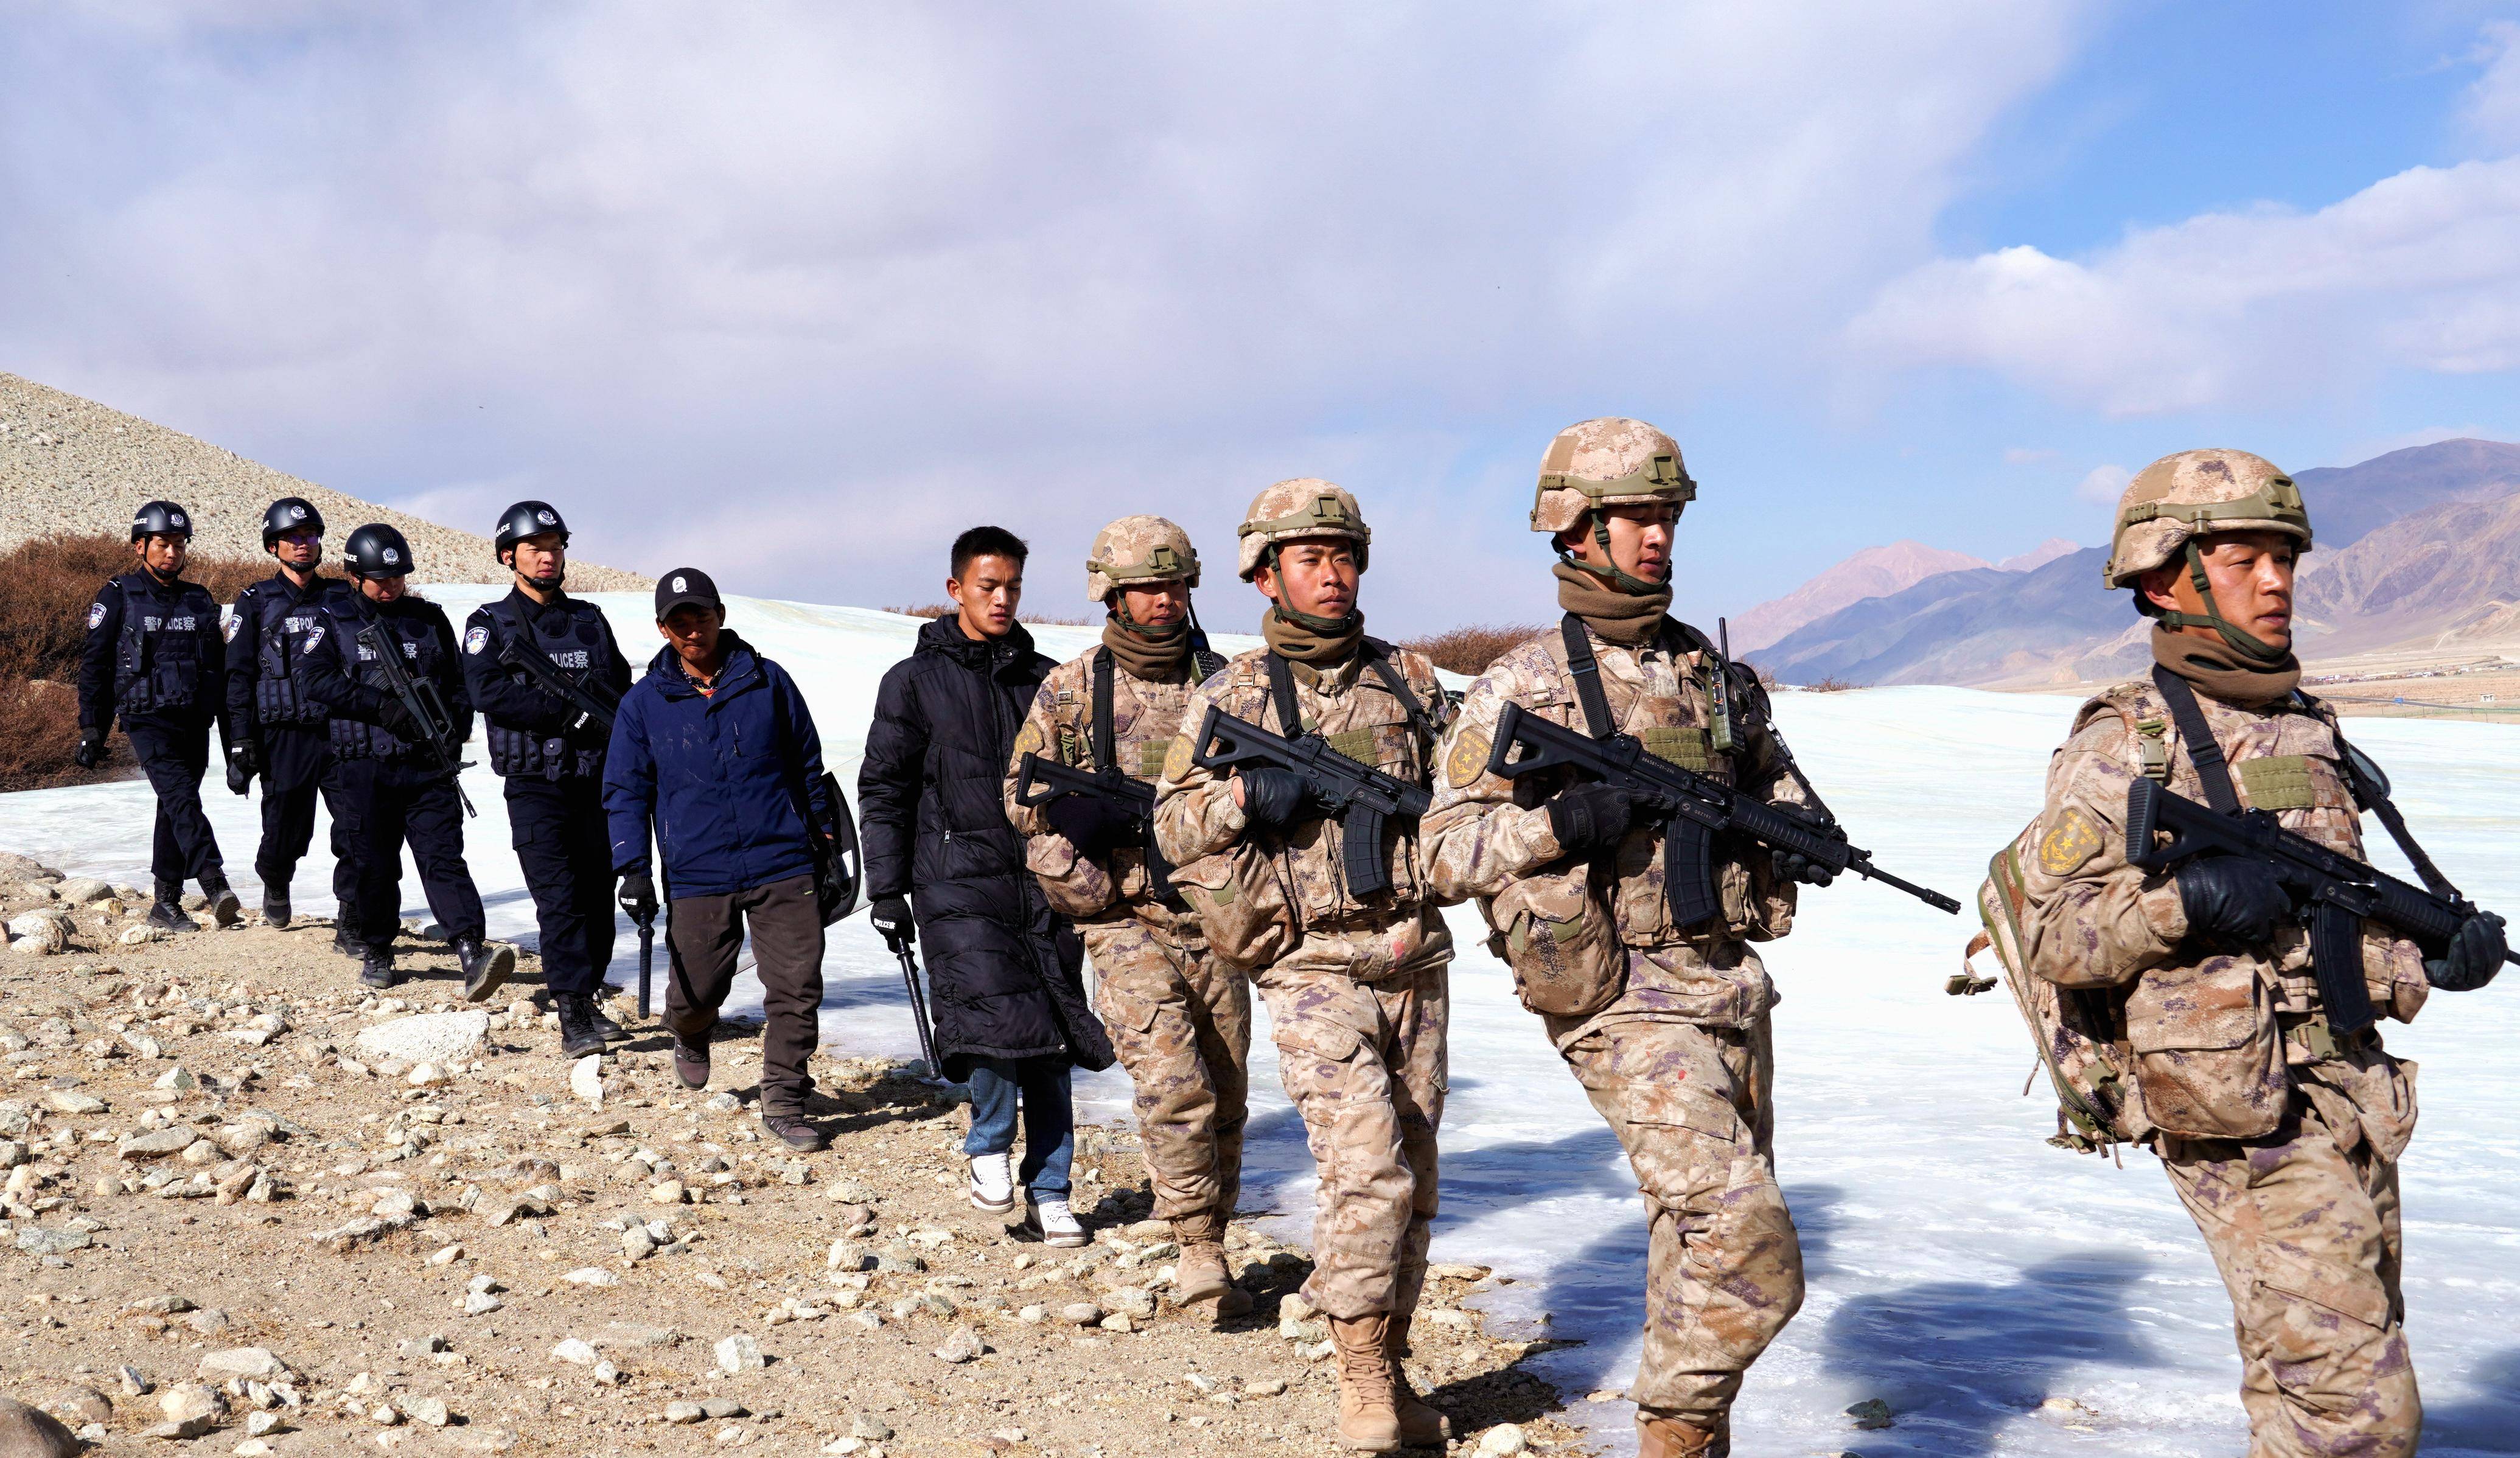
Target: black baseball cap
[[685, 585]]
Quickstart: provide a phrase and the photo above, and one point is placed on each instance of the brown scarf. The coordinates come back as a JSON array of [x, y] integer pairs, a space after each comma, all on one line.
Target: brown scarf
[[2212, 666], [1621, 618], [1298, 644], [1148, 659]]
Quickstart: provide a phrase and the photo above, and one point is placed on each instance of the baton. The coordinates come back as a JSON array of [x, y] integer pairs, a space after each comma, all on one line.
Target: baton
[[646, 956], [919, 1014]]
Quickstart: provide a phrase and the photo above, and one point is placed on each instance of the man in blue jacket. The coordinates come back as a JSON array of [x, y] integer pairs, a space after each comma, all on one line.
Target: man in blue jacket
[[715, 749]]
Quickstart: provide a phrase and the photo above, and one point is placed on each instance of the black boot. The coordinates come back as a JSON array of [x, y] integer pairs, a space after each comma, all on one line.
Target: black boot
[[613, 1033], [345, 943], [579, 1035], [169, 914], [484, 968], [225, 909], [275, 905], [376, 968]]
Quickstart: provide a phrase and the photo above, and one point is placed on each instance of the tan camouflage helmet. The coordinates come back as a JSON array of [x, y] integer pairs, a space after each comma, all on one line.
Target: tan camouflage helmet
[[1305, 506], [2197, 493], [1607, 462], [1137, 550]]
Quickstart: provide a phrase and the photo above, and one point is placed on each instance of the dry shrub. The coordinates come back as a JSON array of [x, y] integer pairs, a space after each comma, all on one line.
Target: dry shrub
[[1470, 650], [1829, 686]]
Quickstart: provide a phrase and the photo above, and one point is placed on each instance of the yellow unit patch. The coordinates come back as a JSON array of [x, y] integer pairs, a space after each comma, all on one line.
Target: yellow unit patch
[[1468, 759], [1030, 741], [2070, 841], [1176, 762]]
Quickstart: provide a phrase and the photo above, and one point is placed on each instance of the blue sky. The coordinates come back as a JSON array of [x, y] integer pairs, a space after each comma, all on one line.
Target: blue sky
[[792, 293]]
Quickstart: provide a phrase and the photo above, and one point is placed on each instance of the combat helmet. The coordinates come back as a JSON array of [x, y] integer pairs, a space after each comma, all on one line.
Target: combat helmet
[[1306, 505], [2179, 499], [286, 515], [377, 550], [160, 519], [1137, 550], [1609, 461]]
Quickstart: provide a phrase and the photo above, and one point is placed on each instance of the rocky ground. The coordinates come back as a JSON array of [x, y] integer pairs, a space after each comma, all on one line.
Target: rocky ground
[[249, 1206]]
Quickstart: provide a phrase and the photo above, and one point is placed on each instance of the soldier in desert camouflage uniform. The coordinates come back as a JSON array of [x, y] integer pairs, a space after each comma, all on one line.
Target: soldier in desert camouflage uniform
[[1665, 1025], [2280, 1119], [1355, 982], [1180, 1019]]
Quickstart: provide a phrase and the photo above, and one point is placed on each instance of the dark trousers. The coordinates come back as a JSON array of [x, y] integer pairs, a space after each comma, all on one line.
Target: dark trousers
[[565, 850], [786, 922], [174, 757], [289, 817], [391, 806]]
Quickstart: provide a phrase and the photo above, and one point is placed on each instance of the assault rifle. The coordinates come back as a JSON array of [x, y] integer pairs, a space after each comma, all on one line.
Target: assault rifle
[[421, 700], [1040, 781], [590, 696], [1695, 807], [2334, 893], [1361, 797]]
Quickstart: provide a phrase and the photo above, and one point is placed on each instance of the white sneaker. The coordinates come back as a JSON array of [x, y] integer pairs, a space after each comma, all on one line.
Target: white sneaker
[[1055, 1223], [993, 1183]]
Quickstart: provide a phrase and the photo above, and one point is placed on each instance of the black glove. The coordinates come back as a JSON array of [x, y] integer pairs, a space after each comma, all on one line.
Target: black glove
[[2234, 898], [1272, 797], [891, 917], [241, 768], [1093, 825], [397, 721], [638, 896], [1794, 866], [1588, 814], [91, 748], [2475, 954]]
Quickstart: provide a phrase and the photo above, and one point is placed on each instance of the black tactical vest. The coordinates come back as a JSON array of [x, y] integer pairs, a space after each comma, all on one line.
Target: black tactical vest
[[422, 657], [279, 627], [575, 643], [158, 662]]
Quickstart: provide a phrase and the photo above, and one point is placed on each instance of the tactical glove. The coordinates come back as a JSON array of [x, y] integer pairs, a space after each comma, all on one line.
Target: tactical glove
[[1272, 797], [891, 918], [1588, 815], [638, 896], [91, 748], [241, 769], [2475, 954], [1794, 866], [397, 721], [1093, 826], [2232, 897]]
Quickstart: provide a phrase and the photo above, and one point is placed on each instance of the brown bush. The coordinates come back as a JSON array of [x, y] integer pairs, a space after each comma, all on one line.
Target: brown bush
[[1829, 686], [1470, 650]]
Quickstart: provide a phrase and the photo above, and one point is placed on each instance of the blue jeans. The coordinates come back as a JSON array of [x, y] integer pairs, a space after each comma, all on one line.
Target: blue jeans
[[1039, 1085]]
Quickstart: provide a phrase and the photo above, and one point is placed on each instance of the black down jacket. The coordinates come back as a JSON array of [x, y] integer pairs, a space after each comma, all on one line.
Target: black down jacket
[[1004, 976]]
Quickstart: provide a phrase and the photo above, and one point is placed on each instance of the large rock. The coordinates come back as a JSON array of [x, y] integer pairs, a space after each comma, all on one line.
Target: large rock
[[16, 867], [38, 933], [29, 1433], [82, 889], [427, 1037], [251, 1363]]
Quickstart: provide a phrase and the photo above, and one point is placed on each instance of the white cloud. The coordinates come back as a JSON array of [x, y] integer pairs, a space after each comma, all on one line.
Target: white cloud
[[901, 267], [2101, 485], [2024, 455], [2490, 108]]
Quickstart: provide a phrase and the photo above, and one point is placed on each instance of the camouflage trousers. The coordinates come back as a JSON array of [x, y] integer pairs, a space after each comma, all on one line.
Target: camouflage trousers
[[1723, 1269], [1364, 1063], [2304, 1226], [1181, 1022]]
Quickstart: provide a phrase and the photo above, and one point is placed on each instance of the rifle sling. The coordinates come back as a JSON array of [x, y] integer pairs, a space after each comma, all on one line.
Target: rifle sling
[[1105, 754]]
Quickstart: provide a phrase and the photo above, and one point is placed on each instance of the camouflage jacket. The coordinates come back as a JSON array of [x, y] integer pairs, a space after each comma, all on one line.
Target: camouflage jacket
[[1488, 837], [1280, 897], [2211, 1033], [1146, 719]]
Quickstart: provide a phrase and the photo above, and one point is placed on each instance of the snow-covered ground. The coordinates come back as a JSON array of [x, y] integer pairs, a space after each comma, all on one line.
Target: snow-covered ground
[[1960, 1268]]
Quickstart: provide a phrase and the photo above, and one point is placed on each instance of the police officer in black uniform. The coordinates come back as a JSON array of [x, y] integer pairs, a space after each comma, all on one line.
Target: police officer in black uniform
[[281, 732], [156, 658], [551, 755], [397, 787]]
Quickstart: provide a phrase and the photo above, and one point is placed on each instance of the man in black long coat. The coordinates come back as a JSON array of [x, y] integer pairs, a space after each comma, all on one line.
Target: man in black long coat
[[1004, 974]]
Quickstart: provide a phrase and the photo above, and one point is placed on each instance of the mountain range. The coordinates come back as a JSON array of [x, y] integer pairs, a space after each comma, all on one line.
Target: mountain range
[[2418, 548]]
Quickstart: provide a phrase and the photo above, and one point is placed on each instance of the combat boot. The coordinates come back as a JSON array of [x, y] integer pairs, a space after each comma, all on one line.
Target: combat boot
[[1368, 1422], [376, 968], [275, 906], [486, 968], [169, 913], [1662, 1436], [1200, 1275], [579, 1035], [605, 1027], [225, 909], [1420, 1425]]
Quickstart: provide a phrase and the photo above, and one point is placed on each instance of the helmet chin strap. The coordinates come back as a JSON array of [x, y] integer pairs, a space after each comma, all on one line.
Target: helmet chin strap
[[2242, 642], [1613, 575], [1153, 632], [1325, 626]]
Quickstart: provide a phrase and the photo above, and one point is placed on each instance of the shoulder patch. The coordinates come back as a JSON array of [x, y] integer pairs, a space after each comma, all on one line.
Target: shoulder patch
[[475, 638], [2070, 841], [95, 616], [1177, 759], [227, 629], [1468, 759], [314, 635], [1030, 741]]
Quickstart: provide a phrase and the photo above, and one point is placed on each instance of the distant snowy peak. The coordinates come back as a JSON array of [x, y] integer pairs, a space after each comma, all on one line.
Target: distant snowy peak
[[1875, 571], [2040, 556]]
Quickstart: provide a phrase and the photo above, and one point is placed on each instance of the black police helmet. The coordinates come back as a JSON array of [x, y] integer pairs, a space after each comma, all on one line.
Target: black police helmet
[[523, 519], [286, 515], [161, 518], [377, 550]]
